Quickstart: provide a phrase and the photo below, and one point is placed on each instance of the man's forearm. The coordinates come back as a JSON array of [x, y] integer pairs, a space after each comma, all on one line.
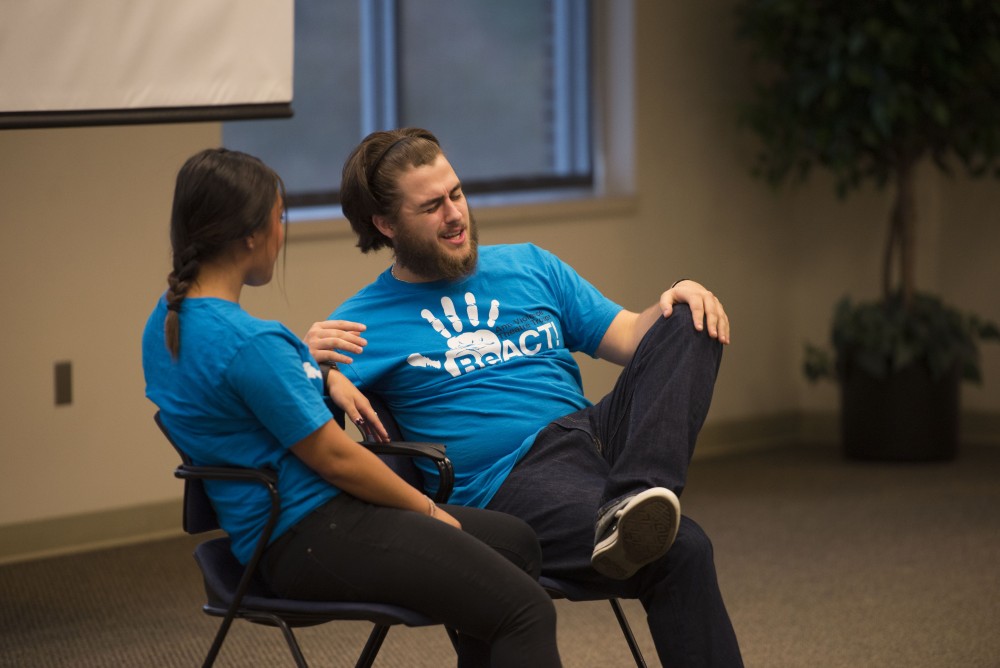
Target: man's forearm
[[625, 333]]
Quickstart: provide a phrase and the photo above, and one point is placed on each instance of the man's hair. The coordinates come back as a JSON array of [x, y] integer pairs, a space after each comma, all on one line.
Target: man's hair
[[369, 184]]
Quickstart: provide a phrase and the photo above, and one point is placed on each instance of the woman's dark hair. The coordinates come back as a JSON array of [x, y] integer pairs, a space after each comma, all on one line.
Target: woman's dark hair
[[368, 186], [221, 197]]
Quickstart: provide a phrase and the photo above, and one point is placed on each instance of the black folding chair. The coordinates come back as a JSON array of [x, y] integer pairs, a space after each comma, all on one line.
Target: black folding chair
[[572, 591], [235, 591], [557, 589]]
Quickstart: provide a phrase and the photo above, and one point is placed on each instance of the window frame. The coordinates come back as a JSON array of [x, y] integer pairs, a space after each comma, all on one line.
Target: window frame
[[607, 189]]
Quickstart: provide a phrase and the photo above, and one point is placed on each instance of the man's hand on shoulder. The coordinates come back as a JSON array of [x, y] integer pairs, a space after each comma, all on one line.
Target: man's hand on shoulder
[[706, 309], [329, 340]]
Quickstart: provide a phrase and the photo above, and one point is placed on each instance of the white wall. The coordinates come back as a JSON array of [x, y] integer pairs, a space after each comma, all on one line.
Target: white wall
[[85, 215]]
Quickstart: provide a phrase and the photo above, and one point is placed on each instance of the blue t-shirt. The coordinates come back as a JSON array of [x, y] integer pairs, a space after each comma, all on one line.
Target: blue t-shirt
[[481, 364], [241, 392]]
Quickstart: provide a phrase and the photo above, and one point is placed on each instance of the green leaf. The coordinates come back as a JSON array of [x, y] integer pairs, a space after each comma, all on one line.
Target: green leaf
[[884, 337], [858, 87]]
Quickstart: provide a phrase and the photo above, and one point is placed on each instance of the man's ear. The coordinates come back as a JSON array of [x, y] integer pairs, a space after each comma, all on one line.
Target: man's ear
[[383, 225]]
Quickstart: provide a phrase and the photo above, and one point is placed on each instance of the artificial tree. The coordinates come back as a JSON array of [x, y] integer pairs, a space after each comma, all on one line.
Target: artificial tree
[[867, 91]]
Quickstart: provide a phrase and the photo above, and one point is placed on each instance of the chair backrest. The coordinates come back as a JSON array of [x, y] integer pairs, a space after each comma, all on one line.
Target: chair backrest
[[199, 515]]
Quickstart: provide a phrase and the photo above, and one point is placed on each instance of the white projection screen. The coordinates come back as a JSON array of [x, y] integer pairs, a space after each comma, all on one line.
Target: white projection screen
[[108, 62]]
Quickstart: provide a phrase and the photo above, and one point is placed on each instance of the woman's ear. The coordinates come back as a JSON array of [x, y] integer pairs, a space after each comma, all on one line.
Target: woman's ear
[[383, 225], [258, 237]]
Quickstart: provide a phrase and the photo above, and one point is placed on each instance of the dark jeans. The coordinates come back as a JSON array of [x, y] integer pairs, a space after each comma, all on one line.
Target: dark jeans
[[641, 435], [481, 581]]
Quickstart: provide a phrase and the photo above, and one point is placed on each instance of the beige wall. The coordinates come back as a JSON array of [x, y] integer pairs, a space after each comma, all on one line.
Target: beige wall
[[85, 211]]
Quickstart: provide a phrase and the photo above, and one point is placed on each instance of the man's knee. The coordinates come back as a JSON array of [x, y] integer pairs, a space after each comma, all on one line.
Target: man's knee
[[692, 543], [692, 553], [687, 568], [676, 336]]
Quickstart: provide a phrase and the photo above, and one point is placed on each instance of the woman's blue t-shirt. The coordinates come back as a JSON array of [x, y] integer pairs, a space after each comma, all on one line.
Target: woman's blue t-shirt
[[240, 393]]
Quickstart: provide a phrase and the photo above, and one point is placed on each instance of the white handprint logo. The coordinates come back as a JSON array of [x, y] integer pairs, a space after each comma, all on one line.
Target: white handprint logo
[[468, 350]]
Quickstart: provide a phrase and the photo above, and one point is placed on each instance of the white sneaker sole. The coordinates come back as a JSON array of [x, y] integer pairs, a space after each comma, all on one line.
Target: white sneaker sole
[[646, 528]]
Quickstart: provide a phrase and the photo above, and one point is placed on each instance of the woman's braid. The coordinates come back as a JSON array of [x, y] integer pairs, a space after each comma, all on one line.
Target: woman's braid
[[186, 267]]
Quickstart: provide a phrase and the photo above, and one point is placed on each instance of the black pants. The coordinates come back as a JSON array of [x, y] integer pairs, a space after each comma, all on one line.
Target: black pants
[[480, 581]]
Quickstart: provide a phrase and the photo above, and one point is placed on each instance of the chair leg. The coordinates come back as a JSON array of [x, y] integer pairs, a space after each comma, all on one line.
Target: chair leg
[[640, 662], [293, 644], [372, 647], [220, 636]]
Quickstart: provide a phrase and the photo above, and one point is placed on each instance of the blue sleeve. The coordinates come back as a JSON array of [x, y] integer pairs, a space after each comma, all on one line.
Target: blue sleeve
[[279, 381], [586, 312]]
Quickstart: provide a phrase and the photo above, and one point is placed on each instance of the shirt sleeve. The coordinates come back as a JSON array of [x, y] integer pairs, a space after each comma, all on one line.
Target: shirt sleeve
[[587, 313], [280, 383]]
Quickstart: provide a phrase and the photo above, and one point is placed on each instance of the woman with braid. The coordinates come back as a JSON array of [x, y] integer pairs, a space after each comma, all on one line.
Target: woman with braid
[[239, 391]]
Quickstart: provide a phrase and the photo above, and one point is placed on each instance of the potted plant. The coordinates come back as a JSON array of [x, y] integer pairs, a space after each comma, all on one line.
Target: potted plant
[[869, 90]]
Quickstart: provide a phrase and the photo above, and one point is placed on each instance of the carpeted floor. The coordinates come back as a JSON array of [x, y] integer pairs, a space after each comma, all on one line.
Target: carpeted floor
[[823, 562]]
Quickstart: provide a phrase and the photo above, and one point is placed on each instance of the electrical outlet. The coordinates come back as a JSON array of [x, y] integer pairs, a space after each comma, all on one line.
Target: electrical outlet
[[64, 383]]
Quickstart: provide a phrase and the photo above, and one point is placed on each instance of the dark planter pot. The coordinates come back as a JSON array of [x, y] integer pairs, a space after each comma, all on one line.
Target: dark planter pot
[[906, 417]]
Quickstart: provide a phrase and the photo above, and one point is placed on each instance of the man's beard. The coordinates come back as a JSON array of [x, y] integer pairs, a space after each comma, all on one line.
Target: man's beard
[[425, 259]]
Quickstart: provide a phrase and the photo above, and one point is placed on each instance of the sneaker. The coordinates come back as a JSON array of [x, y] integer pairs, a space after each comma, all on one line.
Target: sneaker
[[636, 532]]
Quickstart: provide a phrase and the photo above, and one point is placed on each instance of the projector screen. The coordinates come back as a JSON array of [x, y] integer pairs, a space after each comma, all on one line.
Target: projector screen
[[104, 62]]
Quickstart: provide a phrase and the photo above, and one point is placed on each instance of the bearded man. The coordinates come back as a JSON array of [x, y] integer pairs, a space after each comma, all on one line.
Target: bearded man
[[472, 347]]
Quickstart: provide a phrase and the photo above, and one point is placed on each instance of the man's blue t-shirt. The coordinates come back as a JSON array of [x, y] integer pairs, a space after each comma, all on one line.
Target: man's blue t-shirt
[[241, 392], [481, 364]]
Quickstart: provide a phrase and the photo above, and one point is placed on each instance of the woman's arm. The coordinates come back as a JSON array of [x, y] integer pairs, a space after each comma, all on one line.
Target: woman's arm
[[356, 406], [359, 472]]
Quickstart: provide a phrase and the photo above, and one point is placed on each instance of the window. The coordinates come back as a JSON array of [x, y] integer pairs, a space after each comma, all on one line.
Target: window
[[504, 85]]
